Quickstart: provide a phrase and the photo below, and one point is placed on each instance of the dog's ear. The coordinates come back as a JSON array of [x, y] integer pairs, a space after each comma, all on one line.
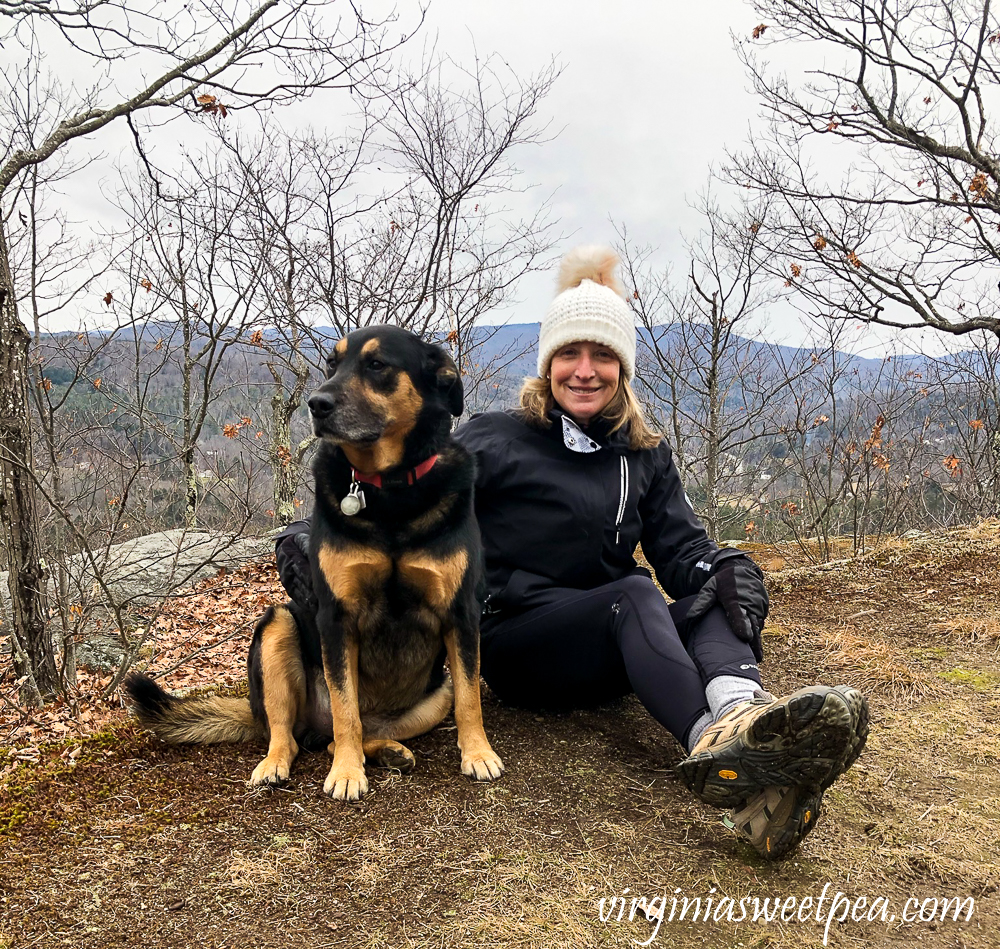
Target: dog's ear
[[443, 374]]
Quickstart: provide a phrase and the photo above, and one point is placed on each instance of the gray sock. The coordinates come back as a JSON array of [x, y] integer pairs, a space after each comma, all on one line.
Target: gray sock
[[723, 692], [697, 728]]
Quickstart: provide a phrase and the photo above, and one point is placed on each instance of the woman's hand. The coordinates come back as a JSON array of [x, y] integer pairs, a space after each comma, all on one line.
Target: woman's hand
[[738, 587]]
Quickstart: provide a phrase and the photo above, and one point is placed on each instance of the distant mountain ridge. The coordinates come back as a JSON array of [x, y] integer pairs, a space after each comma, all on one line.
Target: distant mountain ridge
[[509, 350], [526, 335]]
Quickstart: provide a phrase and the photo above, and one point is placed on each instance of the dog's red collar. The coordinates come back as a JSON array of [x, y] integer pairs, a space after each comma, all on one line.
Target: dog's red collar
[[406, 477]]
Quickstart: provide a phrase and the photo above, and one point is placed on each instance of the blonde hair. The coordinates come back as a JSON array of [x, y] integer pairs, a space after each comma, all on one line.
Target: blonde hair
[[623, 411]]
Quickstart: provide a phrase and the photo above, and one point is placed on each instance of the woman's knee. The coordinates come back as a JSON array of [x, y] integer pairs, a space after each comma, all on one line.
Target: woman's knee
[[644, 625], [641, 589]]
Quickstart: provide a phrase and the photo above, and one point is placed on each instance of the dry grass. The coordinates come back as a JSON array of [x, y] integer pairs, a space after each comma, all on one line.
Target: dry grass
[[284, 862], [875, 667], [986, 532], [972, 629]]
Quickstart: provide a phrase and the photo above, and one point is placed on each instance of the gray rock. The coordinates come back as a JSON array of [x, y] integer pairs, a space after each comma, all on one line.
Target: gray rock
[[149, 568], [100, 654]]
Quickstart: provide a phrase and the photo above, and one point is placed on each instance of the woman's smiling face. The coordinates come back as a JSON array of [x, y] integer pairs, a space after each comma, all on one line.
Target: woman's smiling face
[[584, 377]]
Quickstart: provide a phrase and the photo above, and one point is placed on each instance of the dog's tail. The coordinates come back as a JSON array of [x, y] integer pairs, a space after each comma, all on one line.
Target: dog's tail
[[198, 719], [425, 715]]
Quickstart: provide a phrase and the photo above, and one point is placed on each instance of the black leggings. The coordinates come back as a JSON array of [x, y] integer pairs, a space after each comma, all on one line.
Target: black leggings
[[583, 647]]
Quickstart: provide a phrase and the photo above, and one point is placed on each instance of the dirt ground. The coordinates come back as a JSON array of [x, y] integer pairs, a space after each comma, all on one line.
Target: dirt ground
[[116, 840]]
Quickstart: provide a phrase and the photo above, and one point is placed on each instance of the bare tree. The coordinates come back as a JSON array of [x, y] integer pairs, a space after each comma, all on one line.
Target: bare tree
[[58, 271], [197, 59], [964, 445], [805, 489], [441, 249], [705, 371], [454, 137], [850, 451], [908, 237], [93, 415], [288, 185], [879, 464], [430, 247], [196, 259]]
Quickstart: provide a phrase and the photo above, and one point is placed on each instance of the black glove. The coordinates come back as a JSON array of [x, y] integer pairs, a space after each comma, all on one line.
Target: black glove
[[292, 554], [737, 585]]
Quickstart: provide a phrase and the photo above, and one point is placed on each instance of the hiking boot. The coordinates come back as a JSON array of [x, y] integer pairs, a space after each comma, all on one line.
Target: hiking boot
[[799, 741], [776, 819], [858, 705]]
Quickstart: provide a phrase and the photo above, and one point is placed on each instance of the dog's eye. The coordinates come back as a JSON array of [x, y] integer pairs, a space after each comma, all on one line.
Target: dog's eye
[[376, 365]]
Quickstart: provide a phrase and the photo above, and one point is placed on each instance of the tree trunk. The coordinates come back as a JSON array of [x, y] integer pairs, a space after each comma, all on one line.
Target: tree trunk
[[33, 654], [283, 464], [188, 456], [712, 436], [189, 462], [710, 513]]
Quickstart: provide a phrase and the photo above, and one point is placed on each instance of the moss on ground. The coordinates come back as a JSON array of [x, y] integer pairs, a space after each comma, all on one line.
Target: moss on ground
[[976, 679]]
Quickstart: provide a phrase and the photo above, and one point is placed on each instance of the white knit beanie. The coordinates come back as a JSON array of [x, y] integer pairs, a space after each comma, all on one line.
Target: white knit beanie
[[590, 307]]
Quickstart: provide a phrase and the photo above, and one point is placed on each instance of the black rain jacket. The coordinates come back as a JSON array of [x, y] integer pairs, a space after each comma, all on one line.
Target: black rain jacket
[[553, 517]]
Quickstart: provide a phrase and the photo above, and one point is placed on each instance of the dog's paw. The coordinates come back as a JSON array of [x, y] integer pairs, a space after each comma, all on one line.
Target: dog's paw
[[402, 760], [482, 765], [346, 784], [391, 754], [270, 772]]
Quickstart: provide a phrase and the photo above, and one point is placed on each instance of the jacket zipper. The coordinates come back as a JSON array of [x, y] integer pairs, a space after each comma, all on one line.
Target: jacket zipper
[[623, 487]]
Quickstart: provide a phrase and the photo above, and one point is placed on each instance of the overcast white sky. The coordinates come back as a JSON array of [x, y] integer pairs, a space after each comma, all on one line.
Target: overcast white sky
[[651, 94]]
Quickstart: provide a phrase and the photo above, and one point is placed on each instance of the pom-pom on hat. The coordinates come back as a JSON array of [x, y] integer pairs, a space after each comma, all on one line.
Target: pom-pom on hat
[[590, 306]]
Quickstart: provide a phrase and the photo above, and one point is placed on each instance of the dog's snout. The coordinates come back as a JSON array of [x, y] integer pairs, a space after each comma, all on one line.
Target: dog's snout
[[320, 404]]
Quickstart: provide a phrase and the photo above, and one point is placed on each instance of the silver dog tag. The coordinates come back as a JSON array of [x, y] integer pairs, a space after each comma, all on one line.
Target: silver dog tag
[[353, 501]]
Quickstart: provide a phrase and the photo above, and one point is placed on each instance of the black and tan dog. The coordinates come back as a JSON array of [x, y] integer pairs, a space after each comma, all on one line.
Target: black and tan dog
[[396, 561]]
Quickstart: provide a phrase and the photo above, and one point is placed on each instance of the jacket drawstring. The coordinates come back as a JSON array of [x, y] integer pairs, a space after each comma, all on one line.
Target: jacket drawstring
[[623, 496]]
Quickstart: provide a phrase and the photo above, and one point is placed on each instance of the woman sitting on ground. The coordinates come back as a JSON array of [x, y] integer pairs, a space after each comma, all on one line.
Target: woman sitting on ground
[[568, 485]]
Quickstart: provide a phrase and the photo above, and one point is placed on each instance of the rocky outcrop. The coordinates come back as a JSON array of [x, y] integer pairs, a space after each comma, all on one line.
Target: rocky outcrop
[[141, 571]]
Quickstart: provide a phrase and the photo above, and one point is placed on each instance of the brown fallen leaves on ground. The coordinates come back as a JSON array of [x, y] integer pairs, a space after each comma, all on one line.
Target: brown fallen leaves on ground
[[199, 639]]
